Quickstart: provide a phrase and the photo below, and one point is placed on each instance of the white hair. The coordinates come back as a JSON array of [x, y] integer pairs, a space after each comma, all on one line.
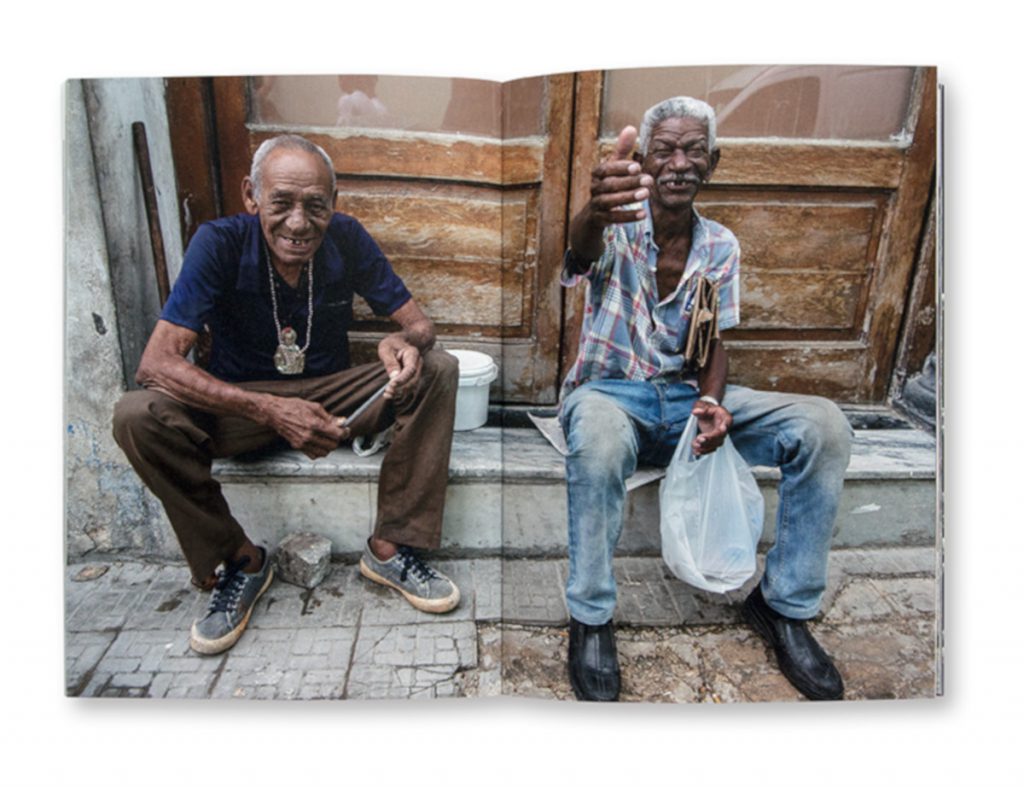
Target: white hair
[[288, 141], [678, 107]]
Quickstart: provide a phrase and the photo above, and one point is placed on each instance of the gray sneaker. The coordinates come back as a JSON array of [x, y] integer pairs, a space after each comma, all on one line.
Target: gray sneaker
[[230, 607], [424, 587]]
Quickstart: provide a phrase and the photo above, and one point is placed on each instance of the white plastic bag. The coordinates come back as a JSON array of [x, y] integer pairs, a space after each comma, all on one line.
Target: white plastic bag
[[711, 516]]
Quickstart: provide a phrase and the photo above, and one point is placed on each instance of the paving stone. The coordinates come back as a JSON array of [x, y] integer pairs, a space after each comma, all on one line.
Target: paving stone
[[97, 606], [878, 562], [533, 592], [910, 595], [82, 653], [384, 666], [128, 635], [479, 581], [303, 559], [645, 599], [859, 600], [336, 601], [168, 601], [131, 680]]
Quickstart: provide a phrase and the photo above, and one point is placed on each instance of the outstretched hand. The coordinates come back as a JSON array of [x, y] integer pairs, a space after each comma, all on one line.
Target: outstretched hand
[[713, 424], [617, 181]]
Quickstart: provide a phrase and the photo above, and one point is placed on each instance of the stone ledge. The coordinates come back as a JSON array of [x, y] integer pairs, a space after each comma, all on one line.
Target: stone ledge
[[523, 455]]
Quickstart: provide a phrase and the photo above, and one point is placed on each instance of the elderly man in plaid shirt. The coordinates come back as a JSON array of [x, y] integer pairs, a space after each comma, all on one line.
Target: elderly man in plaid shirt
[[640, 246]]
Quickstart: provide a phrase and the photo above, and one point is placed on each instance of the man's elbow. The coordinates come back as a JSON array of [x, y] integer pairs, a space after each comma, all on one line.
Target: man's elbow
[[146, 374]]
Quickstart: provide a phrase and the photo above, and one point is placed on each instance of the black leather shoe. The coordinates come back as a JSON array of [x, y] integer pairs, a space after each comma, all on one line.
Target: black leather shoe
[[593, 662], [802, 660]]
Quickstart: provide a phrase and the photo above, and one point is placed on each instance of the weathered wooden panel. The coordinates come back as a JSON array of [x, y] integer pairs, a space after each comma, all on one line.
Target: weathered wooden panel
[[467, 253], [833, 370], [447, 157], [800, 231], [907, 219], [807, 257], [797, 300], [418, 219], [464, 298], [921, 320]]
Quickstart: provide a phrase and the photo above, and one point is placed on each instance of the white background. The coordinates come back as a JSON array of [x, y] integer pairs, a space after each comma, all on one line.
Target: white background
[[972, 736]]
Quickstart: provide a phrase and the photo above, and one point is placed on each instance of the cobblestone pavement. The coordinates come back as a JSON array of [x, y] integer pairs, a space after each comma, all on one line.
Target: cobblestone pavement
[[127, 628]]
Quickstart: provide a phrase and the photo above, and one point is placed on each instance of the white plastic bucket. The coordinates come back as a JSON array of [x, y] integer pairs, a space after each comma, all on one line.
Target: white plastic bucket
[[476, 373]]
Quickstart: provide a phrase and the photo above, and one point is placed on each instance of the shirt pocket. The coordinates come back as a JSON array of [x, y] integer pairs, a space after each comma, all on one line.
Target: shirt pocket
[[334, 314]]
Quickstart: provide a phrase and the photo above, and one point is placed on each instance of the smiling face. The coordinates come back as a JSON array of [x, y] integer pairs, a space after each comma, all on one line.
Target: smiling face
[[295, 205], [680, 160]]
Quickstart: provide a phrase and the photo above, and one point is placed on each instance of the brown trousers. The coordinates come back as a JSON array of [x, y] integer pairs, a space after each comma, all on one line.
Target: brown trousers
[[172, 447]]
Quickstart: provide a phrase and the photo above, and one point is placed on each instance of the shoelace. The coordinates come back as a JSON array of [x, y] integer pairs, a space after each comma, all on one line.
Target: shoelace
[[410, 562], [229, 587]]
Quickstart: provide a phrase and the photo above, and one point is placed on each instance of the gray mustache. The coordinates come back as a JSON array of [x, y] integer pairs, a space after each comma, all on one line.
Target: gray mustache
[[679, 179]]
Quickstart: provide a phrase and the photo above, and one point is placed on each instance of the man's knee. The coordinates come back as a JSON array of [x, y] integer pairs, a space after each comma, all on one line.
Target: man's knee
[[143, 418], [599, 433], [826, 428], [442, 366], [133, 415]]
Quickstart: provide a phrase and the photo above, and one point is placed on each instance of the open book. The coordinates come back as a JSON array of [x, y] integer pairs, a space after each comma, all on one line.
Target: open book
[[822, 190]]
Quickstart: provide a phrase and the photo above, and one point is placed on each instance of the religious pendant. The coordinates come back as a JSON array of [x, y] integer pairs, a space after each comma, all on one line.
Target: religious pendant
[[289, 359]]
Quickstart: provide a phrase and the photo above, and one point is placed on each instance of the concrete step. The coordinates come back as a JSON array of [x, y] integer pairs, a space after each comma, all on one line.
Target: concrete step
[[507, 494]]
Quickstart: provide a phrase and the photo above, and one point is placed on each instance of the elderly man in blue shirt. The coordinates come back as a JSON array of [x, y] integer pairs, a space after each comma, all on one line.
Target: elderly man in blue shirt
[[275, 286]]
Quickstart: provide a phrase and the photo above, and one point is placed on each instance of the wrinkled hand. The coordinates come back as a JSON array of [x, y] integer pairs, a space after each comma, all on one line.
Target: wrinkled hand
[[307, 426], [403, 364], [617, 181], [713, 424]]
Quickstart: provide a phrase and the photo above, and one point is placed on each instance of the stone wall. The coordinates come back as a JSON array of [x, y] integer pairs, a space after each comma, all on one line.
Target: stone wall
[[110, 307]]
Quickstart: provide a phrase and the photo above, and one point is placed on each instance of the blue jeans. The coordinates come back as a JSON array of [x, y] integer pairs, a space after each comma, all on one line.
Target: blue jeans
[[611, 425]]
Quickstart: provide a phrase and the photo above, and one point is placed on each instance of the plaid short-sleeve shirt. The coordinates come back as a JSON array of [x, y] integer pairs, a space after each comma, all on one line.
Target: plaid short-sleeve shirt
[[627, 332]]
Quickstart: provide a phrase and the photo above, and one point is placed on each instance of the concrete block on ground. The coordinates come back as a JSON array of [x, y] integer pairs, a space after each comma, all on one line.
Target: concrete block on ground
[[304, 559]]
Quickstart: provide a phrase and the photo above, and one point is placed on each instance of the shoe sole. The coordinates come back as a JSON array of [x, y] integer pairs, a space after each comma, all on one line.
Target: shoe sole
[[761, 628], [434, 605], [211, 647]]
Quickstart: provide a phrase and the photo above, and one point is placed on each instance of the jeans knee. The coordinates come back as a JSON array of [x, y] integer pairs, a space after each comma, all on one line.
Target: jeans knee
[[601, 438], [827, 429]]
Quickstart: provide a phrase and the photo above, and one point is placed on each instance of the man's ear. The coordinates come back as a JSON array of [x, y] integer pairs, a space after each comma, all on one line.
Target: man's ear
[[249, 196], [715, 155]]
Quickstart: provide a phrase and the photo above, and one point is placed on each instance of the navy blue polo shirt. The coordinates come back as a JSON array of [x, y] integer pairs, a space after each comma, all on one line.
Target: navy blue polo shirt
[[224, 284]]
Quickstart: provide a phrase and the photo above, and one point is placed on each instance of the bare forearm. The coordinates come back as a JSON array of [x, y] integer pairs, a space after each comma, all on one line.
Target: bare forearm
[[712, 378], [177, 378], [586, 236]]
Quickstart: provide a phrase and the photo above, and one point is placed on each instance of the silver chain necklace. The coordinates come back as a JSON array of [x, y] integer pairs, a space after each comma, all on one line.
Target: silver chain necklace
[[290, 359]]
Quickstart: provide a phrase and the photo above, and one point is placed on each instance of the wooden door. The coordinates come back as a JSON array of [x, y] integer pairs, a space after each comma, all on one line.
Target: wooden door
[[463, 183], [829, 225]]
